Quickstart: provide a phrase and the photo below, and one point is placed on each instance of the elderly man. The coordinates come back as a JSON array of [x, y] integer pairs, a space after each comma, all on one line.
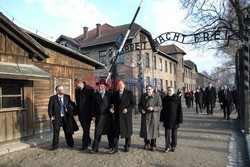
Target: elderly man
[[101, 116], [84, 101], [210, 95], [150, 106], [123, 102]]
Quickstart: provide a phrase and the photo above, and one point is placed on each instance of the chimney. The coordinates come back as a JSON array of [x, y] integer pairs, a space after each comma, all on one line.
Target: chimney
[[85, 32], [98, 30]]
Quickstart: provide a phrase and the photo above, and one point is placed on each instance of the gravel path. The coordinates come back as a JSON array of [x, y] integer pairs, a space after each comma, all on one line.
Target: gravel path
[[203, 140]]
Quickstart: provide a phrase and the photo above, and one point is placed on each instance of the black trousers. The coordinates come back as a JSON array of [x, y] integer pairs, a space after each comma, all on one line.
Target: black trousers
[[170, 138], [198, 106], [86, 140], [98, 139], [151, 142], [210, 109], [116, 140], [56, 132], [226, 110]]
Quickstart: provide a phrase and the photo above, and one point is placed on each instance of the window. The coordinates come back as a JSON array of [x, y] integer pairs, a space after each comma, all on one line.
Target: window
[[147, 60], [154, 62], [161, 64], [139, 60], [161, 83], [166, 84], [11, 95], [175, 84], [166, 66], [142, 38], [174, 69], [155, 83], [170, 67], [102, 57], [171, 83], [148, 81]]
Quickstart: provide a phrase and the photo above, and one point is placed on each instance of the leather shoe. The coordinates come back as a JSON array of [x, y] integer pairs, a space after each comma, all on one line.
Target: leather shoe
[[172, 149], [126, 149], [113, 151], [54, 148], [94, 151]]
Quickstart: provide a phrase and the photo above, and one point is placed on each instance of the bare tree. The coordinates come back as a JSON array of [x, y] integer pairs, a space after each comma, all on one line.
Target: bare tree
[[213, 15]]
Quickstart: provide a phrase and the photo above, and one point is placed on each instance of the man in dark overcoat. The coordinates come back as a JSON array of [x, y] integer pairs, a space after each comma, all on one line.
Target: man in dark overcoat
[[61, 117], [210, 94], [101, 115], [84, 101], [198, 100], [123, 102], [226, 100], [150, 106], [172, 117]]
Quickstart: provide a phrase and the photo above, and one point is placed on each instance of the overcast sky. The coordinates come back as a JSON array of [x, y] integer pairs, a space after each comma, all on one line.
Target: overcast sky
[[51, 18]]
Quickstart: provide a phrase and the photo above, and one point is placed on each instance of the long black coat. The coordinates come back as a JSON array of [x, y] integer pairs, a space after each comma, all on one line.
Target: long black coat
[[198, 97], [54, 109], [104, 118], [84, 102], [123, 122], [210, 96], [229, 99], [171, 114]]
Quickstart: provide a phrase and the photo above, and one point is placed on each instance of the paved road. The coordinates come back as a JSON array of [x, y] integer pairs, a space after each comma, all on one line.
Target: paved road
[[203, 140]]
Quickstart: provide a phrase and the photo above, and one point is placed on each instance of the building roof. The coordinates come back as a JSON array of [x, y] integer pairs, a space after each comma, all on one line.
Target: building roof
[[69, 39], [20, 71], [28, 43], [109, 34], [167, 56], [191, 64], [70, 52], [171, 49]]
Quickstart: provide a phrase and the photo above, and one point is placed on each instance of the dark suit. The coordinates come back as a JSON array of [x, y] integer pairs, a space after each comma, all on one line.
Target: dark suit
[[227, 100], [84, 101], [104, 118], [66, 121], [123, 122], [210, 95]]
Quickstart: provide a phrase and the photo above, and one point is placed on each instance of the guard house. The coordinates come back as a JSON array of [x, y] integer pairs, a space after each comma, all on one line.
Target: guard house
[[30, 68]]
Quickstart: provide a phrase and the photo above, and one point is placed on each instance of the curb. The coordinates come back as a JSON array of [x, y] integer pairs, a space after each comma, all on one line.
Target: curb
[[248, 146]]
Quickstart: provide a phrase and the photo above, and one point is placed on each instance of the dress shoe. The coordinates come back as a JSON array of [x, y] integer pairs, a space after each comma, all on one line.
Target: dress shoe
[[94, 151], [126, 149], [54, 148], [172, 149], [113, 151]]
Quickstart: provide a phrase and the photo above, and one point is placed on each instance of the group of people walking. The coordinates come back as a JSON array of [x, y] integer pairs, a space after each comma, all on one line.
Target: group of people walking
[[112, 115], [206, 98]]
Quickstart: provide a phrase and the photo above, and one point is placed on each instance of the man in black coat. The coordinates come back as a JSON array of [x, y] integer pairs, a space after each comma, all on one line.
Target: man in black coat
[[84, 101], [101, 115], [61, 117], [123, 102], [210, 94], [172, 117], [198, 100], [226, 102]]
